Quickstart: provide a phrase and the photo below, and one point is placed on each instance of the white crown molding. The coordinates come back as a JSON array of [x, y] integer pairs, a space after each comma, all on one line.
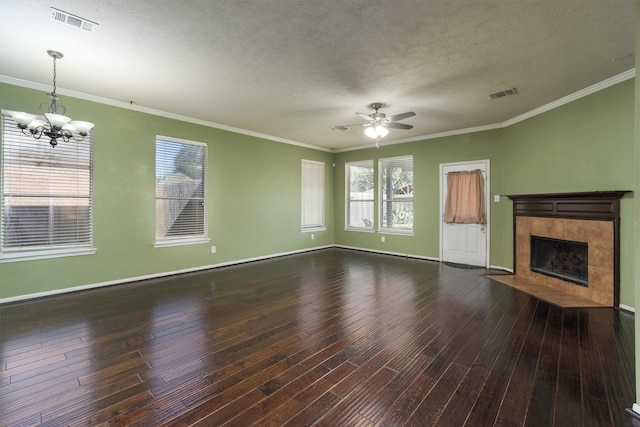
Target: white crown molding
[[543, 109], [573, 97], [424, 137], [134, 107]]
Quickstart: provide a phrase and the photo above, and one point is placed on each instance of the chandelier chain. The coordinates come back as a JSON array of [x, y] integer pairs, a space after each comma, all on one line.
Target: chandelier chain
[[54, 75], [54, 98]]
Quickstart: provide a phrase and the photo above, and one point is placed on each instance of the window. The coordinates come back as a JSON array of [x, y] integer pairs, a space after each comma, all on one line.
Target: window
[[180, 192], [396, 194], [312, 196], [46, 196], [360, 195]]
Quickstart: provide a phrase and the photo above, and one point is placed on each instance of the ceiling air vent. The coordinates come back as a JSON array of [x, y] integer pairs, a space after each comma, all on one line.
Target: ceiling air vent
[[503, 93], [73, 20]]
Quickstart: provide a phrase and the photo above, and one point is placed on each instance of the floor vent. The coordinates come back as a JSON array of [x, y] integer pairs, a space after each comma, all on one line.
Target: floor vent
[[72, 20]]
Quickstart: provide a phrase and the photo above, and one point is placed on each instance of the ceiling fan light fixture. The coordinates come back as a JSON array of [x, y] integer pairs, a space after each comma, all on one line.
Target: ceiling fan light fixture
[[370, 132], [376, 131], [377, 123]]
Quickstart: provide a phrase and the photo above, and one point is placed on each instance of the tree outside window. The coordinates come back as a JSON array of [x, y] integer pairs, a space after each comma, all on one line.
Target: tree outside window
[[396, 194]]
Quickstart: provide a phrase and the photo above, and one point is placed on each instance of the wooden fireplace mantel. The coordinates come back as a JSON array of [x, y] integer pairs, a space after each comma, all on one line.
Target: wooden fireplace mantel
[[596, 205]]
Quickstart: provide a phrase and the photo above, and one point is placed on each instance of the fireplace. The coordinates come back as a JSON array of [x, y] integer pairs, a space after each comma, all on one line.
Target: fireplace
[[563, 259], [569, 242]]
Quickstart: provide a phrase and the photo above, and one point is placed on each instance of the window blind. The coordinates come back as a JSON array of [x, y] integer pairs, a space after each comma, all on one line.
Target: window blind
[[180, 189], [396, 194], [360, 194], [312, 194], [46, 192]]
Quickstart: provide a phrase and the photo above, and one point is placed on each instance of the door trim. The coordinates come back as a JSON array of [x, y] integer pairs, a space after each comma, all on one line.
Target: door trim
[[487, 193]]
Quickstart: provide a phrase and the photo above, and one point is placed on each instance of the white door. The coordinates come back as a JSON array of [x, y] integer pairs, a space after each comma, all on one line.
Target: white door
[[464, 243]]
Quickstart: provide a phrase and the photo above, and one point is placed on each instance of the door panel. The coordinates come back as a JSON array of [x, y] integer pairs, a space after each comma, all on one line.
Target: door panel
[[463, 243]]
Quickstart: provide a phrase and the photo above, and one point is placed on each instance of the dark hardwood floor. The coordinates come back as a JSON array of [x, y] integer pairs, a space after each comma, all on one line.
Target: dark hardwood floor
[[330, 338]]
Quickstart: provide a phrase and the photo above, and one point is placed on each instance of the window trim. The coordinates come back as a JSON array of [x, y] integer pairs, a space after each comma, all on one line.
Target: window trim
[[46, 254], [186, 239]]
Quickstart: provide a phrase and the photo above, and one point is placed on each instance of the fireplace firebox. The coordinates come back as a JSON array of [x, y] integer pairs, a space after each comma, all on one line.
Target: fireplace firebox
[[563, 259]]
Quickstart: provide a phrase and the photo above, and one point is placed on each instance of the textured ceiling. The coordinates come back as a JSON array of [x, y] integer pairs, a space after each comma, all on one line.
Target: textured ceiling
[[294, 69]]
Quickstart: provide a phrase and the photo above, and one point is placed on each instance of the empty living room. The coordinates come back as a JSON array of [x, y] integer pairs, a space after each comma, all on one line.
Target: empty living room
[[283, 213]]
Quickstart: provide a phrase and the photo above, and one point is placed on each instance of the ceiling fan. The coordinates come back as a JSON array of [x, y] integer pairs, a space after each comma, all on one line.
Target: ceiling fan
[[378, 123]]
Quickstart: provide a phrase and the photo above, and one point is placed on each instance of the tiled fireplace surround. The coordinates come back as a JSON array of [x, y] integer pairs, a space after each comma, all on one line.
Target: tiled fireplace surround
[[592, 218]]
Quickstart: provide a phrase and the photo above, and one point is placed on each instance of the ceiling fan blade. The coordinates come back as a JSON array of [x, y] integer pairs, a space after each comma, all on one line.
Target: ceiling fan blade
[[394, 125], [401, 116], [358, 125], [364, 116], [342, 128]]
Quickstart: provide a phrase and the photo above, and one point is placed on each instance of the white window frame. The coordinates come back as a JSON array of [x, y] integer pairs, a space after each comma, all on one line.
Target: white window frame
[[161, 239], [24, 147], [312, 215], [350, 201], [382, 227]]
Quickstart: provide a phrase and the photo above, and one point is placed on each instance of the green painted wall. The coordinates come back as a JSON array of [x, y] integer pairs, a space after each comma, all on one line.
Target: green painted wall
[[586, 145], [253, 190], [427, 157]]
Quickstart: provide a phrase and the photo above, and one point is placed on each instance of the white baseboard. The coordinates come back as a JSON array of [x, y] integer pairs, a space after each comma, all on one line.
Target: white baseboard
[[355, 248], [224, 264], [636, 408], [153, 276], [499, 267], [627, 308]]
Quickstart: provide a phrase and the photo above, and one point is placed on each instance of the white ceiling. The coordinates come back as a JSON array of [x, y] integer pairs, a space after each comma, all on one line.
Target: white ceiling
[[293, 69]]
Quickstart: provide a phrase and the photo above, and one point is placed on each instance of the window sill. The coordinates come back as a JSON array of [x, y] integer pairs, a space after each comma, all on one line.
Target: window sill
[[396, 232], [181, 242], [45, 254], [361, 230], [312, 229]]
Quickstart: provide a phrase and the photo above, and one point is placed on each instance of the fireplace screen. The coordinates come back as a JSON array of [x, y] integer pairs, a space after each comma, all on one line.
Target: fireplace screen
[[561, 259]]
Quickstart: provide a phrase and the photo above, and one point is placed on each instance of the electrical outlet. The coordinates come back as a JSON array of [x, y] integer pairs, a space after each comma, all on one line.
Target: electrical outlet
[[313, 236], [496, 198], [213, 249], [382, 239]]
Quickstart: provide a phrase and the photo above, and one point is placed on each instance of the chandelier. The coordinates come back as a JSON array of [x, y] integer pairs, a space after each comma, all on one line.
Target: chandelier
[[55, 125]]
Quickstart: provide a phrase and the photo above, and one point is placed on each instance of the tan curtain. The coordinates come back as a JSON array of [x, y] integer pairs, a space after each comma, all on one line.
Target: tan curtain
[[465, 198]]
